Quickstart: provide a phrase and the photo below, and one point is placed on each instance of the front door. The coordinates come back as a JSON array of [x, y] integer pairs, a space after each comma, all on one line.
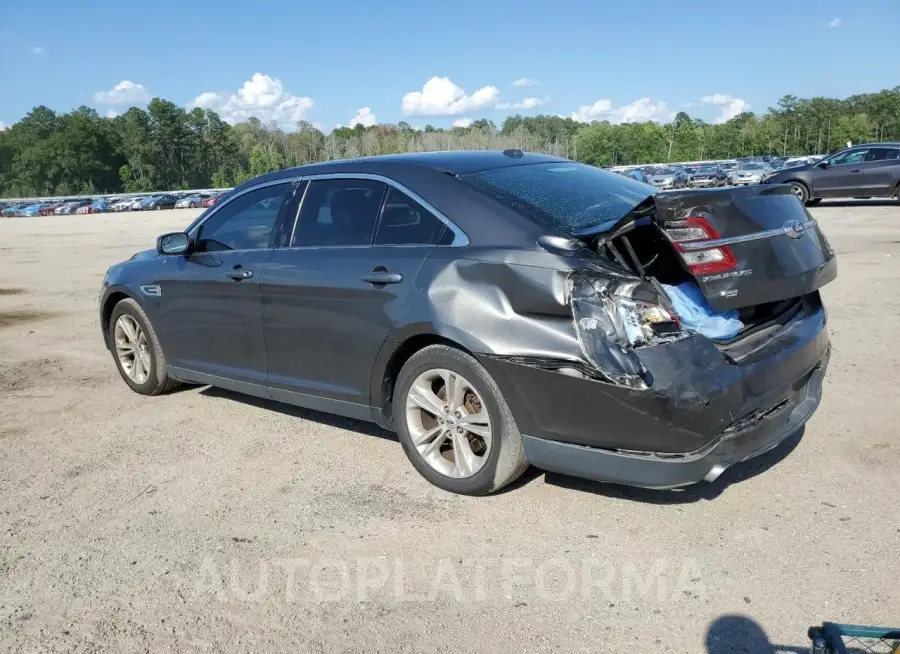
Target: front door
[[843, 177], [331, 300], [211, 301]]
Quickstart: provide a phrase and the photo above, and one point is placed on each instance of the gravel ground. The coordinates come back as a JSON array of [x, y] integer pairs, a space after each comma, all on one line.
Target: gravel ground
[[205, 521]]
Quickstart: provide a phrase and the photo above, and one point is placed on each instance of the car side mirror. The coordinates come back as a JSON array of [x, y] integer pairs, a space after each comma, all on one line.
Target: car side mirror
[[174, 243], [822, 164]]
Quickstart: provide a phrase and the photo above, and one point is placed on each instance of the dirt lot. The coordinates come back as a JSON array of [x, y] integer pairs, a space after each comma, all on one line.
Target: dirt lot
[[203, 521]]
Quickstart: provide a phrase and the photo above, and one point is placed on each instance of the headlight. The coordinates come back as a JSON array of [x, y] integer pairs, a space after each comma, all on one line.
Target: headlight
[[613, 318]]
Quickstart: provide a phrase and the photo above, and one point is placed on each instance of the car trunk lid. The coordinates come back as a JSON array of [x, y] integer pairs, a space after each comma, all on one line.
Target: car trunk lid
[[746, 246]]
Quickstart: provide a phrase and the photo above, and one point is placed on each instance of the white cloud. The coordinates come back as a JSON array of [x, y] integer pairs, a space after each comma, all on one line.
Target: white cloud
[[261, 97], [639, 111], [527, 103], [363, 117], [125, 92], [112, 113], [730, 105], [441, 97], [463, 122], [835, 22], [525, 81], [3, 126], [38, 50]]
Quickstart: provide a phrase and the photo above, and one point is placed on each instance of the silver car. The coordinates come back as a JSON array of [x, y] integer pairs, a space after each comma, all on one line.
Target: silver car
[[191, 201], [748, 173], [668, 178]]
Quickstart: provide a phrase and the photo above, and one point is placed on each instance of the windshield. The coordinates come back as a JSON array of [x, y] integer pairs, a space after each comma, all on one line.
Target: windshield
[[564, 197], [751, 166], [664, 171], [708, 169]]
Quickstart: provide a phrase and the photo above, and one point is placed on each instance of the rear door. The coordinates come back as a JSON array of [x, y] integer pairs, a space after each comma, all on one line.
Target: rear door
[[768, 247], [881, 169], [331, 298]]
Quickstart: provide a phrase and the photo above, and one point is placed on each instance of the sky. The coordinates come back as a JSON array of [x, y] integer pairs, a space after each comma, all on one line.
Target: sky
[[343, 62]]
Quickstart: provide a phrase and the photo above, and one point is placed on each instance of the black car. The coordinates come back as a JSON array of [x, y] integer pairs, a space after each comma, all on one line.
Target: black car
[[706, 175], [161, 202], [495, 309], [871, 170]]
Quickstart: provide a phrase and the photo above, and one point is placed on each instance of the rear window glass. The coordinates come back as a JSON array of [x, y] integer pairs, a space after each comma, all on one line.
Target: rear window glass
[[564, 197]]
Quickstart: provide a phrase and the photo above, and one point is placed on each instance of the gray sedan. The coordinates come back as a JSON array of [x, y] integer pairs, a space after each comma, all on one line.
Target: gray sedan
[[748, 173], [668, 178], [191, 201]]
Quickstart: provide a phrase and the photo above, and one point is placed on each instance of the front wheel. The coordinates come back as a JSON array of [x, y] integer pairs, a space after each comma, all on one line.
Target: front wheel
[[192, 206], [136, 350], [454, 424], [800, 192]]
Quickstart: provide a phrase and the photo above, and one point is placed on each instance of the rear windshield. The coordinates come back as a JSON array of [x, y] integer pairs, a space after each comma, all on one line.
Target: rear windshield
[[564, 197]]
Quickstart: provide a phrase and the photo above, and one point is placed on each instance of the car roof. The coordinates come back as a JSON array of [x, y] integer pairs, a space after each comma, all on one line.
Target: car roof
[[454, 162]]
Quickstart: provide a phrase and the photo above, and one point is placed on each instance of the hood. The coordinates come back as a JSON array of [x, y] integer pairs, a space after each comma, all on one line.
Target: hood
[[143, 255]]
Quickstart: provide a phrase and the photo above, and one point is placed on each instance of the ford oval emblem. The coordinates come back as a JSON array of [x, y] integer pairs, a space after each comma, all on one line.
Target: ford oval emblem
[[794, 228]]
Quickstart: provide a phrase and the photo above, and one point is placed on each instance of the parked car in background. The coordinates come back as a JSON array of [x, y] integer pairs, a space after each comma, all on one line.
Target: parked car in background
[[34, 209], [193, 201], [558, 347], [123, 204], [748, 172], [99, 206], [668, 177], [869, 170], [707, 175], [166, 201], [212, 199]]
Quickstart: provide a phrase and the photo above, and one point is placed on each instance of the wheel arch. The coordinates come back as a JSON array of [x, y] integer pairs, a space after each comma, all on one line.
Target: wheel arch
[[391, 363], [113, 297]]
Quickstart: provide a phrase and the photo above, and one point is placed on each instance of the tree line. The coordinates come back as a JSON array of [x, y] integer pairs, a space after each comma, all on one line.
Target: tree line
[[168, 147]]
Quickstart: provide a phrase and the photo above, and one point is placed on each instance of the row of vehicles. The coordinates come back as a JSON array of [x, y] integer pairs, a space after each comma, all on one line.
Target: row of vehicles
[[738, 172], [869, 170], [192, 200]]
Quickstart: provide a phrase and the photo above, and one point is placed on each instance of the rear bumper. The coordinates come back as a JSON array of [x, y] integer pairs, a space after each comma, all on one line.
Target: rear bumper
[[705, 410], [649, 470]]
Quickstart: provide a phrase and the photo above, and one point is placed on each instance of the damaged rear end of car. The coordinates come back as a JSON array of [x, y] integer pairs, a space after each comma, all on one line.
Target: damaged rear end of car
[[660, 399]]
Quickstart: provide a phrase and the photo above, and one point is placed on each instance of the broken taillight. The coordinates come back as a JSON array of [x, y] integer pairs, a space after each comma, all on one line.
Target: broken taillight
[[700, 260]]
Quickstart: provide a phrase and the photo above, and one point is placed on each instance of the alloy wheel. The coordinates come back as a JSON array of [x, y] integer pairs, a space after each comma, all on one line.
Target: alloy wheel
[[132, 349], [798, 192], [448, 423]]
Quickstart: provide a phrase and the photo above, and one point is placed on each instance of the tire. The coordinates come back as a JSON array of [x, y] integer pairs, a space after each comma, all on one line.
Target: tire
[[813, 202], [192, 206], [154, 361], [896, 193], [158, 207], [800, 191], [504, 459]]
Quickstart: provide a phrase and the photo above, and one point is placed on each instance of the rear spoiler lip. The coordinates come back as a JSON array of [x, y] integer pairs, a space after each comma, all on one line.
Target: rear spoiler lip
[[794, 229]]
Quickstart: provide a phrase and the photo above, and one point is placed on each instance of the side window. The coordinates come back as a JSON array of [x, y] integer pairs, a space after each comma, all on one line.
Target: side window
[[851, 157], [883, 154], [406, 222], [245, 223], [339, 212]]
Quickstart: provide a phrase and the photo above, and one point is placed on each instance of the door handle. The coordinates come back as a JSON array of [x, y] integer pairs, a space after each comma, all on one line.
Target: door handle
[[380, 277], [239, 274], [856, 170]]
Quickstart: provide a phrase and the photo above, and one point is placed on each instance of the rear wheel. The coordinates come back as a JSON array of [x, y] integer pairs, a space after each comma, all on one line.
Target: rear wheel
[[800, 191], [136, 350], [454, 424], [192, 205]]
